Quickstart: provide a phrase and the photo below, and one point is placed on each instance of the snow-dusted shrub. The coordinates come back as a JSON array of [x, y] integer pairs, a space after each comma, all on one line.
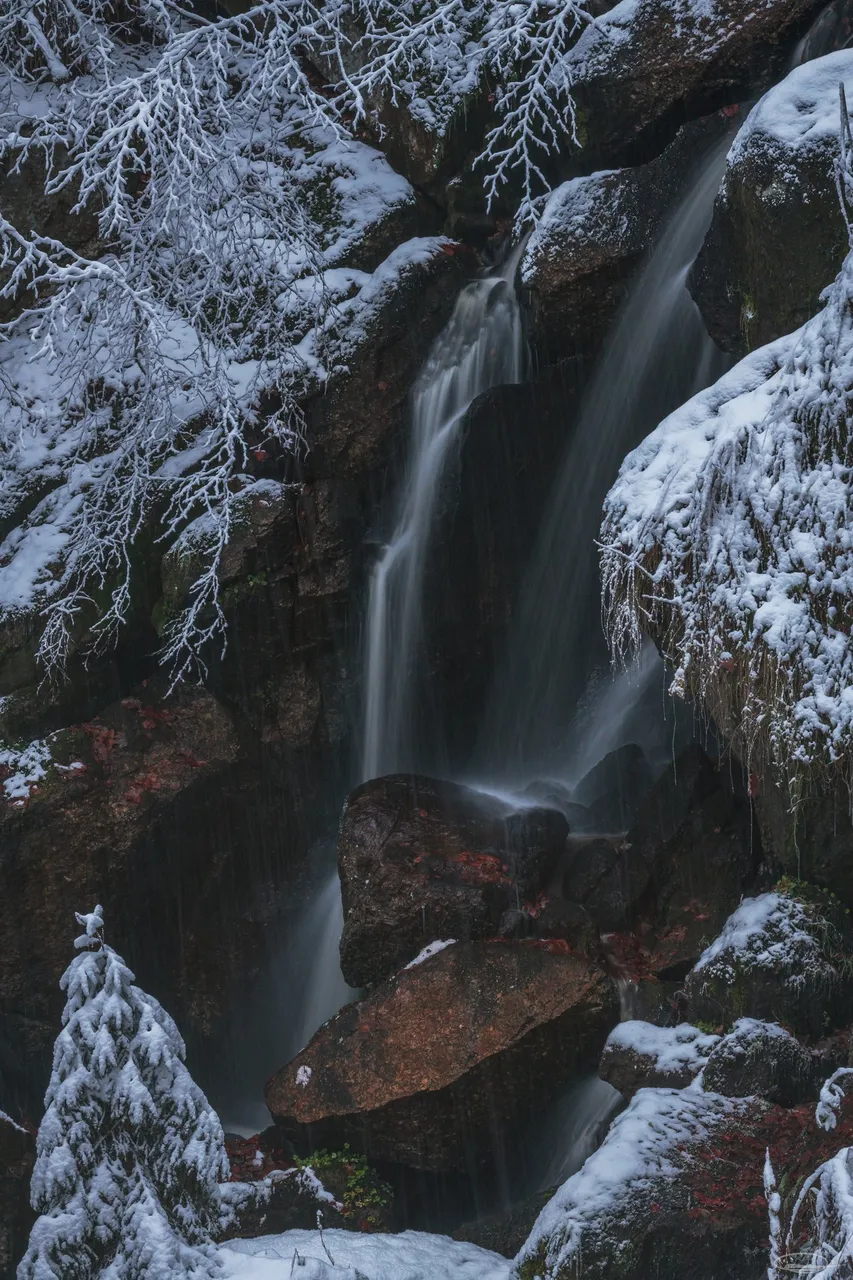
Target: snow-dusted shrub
[[727, 536], [130, 1154]]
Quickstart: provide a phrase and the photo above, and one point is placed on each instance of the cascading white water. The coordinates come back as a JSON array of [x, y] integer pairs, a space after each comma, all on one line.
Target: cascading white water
[[481, 347], [658, 355]]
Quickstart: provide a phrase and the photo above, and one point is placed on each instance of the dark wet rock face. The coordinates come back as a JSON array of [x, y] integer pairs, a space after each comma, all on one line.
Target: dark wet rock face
[[678, 872], [17, 1157], [505, 1233], [777, 237], [614, 789], [762, 1059], [432, 1067], [421, 860]]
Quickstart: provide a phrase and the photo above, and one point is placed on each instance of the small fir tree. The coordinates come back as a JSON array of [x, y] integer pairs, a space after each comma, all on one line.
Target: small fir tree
[[130, 1152]]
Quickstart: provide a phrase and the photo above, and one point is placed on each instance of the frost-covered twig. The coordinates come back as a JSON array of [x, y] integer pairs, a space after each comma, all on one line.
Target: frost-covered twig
[[434, 55]]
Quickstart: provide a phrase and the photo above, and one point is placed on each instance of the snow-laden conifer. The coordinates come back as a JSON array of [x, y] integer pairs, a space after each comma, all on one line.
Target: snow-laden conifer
[[130, 1154]]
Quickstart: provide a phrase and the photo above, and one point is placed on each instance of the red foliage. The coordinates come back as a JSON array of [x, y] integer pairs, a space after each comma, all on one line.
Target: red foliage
[[251, 1159], [726, 1176], [103, 741], [480, 868]]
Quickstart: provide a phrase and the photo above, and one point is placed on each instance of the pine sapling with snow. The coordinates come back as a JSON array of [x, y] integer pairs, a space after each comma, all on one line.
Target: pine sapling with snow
[[130, 1153]]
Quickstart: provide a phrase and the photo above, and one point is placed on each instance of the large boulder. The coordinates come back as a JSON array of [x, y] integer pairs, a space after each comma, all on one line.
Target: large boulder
[[421, 860], [17, 1157], [449, 1057], [638, 1055], [645, 60], [676, 1190], [777, 237], [779, 958], [594, 232]]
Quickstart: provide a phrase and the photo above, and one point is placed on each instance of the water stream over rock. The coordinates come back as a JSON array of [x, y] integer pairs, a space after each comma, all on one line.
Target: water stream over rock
[[658, 355]]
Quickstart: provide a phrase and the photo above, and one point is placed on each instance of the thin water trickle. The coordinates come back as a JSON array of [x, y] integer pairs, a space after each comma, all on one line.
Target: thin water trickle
[[658, 355], [481, 347], [581, 1117], [317, 938]]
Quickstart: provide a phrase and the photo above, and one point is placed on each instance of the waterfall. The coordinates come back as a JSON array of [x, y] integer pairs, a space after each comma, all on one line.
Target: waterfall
[[657, 355], [314, 951], [482, 346]]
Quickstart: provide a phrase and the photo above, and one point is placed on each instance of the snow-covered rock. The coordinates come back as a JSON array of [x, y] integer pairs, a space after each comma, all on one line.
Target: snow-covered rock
[[777, 234], [764, 1059], [645, 56], [777, 959], [638, 1055], [628, 1205], [726, 535]]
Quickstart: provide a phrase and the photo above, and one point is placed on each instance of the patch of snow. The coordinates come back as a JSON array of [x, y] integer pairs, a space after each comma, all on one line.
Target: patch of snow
[[764, 932], [411, 1255], [671, 1049], [431, 949], [797, 115], [25, 768]]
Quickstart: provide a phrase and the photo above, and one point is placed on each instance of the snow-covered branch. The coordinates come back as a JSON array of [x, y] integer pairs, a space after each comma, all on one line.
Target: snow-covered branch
[[435, 55], [134, 381]]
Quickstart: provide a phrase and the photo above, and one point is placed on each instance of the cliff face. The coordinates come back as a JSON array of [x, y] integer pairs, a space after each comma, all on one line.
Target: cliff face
[[193, 814]]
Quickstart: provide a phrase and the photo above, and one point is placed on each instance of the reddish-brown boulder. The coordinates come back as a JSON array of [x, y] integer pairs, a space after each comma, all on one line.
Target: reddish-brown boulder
[[422, 860], [447, 1055]]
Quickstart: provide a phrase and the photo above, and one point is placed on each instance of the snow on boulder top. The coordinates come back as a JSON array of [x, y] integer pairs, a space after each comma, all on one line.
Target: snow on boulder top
[[800, 113], [410, 1255], [765, 932], [670, 1048], [431, 949]]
